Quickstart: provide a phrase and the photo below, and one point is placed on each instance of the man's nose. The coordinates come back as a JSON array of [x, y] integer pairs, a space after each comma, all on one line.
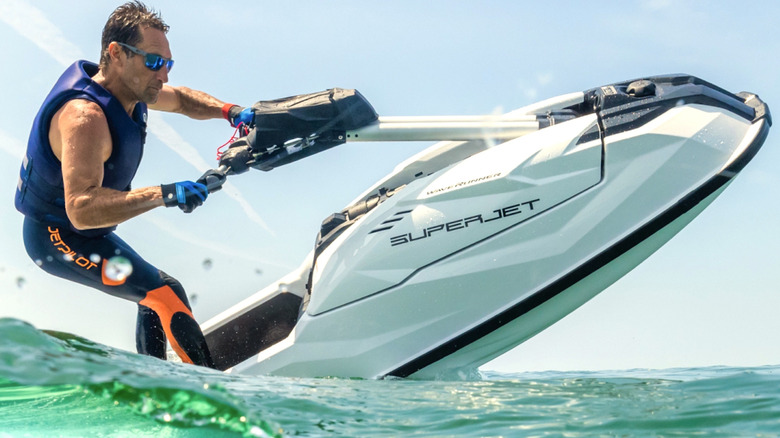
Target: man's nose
[[162, 74]]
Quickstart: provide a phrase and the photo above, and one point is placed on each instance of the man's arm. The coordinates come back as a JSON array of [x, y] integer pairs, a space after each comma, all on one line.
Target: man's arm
[[192, 103], [199, 105], [80, 138]]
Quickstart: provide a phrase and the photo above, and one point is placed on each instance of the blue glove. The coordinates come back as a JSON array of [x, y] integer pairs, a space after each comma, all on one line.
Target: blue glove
[[238, 115], [186, 195]]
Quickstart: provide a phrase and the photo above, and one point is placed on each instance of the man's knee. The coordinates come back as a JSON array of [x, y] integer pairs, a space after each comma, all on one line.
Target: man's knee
[[177, 288]]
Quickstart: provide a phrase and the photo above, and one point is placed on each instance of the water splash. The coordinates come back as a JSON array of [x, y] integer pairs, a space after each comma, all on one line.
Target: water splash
[[118, 268]]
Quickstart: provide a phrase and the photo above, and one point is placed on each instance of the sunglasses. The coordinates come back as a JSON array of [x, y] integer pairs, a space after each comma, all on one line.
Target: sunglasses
[[153, 61]]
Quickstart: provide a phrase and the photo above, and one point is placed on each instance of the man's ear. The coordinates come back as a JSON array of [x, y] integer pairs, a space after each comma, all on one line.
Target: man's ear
[[115, 53]]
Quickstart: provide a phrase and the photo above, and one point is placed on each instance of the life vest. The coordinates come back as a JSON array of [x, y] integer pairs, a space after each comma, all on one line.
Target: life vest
[[39, 193]]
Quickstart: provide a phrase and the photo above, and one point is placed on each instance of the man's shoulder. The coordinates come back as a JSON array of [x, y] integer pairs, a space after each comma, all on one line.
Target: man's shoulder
[[80, 109], [81, 117]]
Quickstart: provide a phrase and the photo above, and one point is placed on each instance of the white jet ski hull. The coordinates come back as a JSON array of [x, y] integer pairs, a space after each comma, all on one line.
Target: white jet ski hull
[[468, 249]]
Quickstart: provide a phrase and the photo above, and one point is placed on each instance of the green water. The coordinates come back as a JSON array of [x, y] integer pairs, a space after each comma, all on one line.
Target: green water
[[59, 385]]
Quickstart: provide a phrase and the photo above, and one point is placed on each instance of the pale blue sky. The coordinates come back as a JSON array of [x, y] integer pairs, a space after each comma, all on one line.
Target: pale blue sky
[[710, 297]]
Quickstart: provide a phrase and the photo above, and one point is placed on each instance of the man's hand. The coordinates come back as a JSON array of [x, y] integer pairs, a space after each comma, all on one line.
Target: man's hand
[[185, 194], [213, 179], [237, 115]]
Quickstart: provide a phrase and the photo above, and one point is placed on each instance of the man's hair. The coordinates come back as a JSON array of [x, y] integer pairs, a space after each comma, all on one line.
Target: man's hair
[[124, 25]]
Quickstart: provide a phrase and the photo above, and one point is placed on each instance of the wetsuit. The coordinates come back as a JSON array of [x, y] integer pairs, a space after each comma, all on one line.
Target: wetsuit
[[87, 256]]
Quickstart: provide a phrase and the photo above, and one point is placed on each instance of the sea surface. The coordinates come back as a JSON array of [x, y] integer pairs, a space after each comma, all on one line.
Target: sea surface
[[59, 385]]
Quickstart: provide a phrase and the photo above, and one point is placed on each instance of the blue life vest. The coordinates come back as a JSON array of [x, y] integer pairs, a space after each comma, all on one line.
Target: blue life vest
[[39, 194]]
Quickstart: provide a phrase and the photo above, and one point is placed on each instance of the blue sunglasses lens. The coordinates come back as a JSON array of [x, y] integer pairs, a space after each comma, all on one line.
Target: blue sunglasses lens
[[156, 62], [152, 61]]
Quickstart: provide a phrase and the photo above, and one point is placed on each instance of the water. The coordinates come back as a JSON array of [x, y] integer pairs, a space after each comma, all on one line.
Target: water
[[60, 385]]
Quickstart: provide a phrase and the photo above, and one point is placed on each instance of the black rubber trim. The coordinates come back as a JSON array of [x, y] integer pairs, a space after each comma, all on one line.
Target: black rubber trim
[[620, 111], [591, 266], [253, 331]]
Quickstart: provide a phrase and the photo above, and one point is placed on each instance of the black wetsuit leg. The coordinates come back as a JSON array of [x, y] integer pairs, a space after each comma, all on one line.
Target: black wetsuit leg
[[149, 333], [163, 308]]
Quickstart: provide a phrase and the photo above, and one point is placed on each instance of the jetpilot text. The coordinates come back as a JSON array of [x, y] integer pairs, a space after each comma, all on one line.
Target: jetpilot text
[[54, 237]]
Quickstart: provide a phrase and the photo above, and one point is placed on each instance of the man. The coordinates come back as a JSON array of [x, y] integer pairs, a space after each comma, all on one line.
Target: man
[[84, 149]]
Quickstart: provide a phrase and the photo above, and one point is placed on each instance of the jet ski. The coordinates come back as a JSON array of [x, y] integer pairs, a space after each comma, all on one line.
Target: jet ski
[[503, 227]]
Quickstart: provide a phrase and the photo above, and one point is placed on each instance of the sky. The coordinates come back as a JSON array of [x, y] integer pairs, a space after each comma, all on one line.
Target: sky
[[709, 297]]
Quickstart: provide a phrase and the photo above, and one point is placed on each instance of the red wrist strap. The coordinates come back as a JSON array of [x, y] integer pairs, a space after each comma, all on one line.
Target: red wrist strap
[[225, 109]]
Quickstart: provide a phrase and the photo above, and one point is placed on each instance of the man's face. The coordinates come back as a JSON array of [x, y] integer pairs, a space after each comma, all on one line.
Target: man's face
[[139, 79]]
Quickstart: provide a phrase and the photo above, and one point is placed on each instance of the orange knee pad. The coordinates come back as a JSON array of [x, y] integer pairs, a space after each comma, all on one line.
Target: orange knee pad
[[166, 304]]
